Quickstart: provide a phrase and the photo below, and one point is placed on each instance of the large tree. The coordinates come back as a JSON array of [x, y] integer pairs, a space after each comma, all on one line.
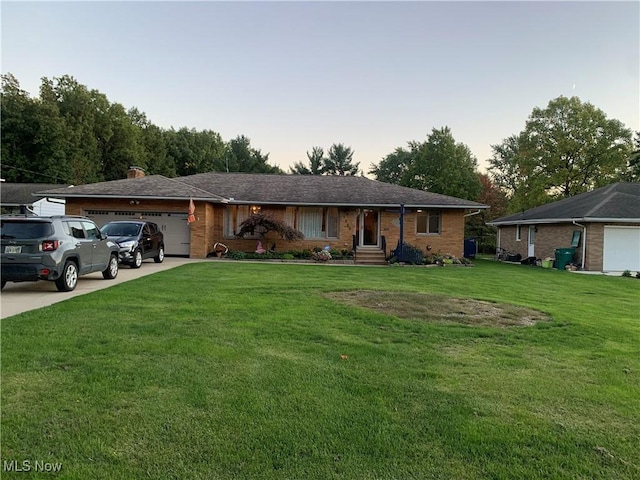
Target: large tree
[[445, 166], [73, 134], [34, 137], [316, 164], [242, 157], [518, 178], [85, 114], [439, 164], [195, 151], [339, 161], [567, 148], [476, 225], [395, 167], [155, 158], [632, 172]]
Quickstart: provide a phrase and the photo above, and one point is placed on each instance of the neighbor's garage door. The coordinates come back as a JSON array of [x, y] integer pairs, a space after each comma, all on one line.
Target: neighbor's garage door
[[621, 249], [177, 235]]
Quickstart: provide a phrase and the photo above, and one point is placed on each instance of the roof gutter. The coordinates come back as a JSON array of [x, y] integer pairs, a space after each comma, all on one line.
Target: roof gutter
[[473, 213], [563, 220], [234, 201], [147, 197]]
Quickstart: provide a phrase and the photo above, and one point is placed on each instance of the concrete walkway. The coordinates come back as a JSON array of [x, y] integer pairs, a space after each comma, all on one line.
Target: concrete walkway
[[21, 297]]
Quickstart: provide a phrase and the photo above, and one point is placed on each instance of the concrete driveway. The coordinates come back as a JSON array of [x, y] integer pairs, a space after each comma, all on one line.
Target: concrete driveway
[[21, 297]]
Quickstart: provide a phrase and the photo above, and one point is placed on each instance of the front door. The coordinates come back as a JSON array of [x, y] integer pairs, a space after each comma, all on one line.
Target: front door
[[369, 228], [531, 241]]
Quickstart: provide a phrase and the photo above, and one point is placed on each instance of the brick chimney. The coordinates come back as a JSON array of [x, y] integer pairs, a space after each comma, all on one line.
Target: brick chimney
[[135, 172]]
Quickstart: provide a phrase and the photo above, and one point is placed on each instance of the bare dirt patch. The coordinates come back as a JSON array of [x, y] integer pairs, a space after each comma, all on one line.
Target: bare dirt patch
[[440, 308]]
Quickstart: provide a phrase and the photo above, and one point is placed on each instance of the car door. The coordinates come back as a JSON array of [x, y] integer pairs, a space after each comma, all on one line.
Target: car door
[[147, 241], [83, 246], [99, 247], [156, 237]]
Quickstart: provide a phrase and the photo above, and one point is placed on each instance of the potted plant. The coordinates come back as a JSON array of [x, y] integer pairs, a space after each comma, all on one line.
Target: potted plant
[[220, 249]]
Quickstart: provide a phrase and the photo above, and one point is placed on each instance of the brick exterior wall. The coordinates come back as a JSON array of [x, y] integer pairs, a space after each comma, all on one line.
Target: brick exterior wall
[[208, 227], [450, 240], [552, 236]]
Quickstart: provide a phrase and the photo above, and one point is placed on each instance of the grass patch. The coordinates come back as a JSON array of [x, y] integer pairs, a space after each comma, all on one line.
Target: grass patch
[[441, 308], [238, 370]]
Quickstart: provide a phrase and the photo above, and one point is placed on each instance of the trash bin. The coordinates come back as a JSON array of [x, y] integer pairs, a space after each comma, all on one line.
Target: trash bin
[[564, 256]]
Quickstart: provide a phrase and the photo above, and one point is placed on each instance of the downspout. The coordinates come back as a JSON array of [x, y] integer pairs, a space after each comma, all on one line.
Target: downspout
[[401, 256], [465, 227], [584, 242]]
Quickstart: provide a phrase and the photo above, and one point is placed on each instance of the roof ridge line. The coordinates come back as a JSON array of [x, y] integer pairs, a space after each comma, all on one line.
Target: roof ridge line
[[197, 188], [606, 200]]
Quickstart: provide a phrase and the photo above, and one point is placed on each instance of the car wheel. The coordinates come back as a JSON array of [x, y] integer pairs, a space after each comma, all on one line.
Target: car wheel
[[160, 257], [69, 278], [112, 269], [137, 259]]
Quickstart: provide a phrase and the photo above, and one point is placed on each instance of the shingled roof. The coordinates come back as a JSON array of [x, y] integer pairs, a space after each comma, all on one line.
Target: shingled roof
[[151, 187], [619, 202], [16, 194], [318, 190], [269, 189]]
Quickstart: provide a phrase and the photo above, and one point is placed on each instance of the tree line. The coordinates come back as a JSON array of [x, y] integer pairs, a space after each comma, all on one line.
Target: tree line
[[72, 134]]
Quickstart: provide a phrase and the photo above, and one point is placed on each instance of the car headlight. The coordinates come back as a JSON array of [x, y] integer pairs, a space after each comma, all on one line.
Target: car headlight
[[130, 245]]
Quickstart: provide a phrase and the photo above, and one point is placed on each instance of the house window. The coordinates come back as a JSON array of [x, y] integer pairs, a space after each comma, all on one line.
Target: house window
[[518, 233], [313, 222], [428, 222], [234, 215]]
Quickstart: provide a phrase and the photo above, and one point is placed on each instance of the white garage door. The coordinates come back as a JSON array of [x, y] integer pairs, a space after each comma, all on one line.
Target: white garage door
[[621, 249], [177, 235]]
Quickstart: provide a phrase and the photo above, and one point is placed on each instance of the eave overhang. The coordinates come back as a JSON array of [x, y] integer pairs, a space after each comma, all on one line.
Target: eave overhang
[[563, 220]]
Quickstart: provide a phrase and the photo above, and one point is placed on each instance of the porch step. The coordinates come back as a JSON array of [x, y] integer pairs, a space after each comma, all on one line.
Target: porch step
[[369, 256]]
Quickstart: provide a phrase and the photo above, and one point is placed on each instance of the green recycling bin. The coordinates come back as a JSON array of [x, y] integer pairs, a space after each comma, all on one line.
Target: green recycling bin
[[564, 256]]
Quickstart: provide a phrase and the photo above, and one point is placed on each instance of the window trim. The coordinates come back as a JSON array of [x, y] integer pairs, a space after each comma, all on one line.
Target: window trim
[[230, 231], [428, 214], [292, 219]]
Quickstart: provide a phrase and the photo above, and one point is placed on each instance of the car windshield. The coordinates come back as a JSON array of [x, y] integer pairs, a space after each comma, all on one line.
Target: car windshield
[[25, 229], [121, 229]]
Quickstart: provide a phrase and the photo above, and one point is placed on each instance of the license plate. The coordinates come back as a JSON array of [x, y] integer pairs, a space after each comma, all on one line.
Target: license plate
[[12, 249]]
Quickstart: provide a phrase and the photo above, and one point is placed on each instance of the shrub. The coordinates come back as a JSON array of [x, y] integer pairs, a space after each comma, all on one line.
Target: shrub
[[626, 273], [288, 256], [322, 256], [434, 259], [263, 223], [237, 255], [304, 254], [410, 254]]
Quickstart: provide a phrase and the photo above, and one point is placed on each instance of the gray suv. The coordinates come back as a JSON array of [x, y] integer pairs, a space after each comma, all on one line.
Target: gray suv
[[58, 248]]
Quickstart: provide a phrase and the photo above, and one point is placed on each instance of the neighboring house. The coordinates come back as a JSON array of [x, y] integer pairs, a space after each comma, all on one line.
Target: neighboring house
[[344, 212], [20, 198], [608, 220]]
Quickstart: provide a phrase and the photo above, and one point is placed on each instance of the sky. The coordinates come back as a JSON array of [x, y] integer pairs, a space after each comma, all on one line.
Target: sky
[[371, 75]]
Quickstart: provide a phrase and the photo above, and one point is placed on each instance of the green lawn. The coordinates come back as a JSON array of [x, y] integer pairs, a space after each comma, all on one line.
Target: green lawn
[[235, 370]]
